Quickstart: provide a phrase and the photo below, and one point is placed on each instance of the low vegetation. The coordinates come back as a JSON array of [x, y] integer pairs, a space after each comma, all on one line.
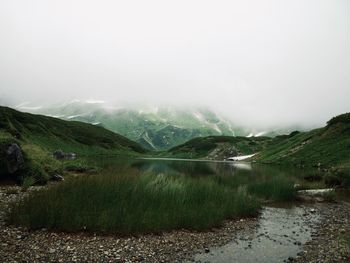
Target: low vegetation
[[219, 147], [324, 148], [128, 202], [327, 149], [276, 188], [39, 136], [70, 136]]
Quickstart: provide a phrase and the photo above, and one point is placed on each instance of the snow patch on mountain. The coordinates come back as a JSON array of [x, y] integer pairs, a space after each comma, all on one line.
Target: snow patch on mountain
[[216, 127], [148, 140], [74, 116], [258, 134], [29, 108]]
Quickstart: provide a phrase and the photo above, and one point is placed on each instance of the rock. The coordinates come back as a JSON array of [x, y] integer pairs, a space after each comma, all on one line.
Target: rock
[[57, 177], [314, 192], [206, 250], [52, 250], [14, 158], [59, 155]]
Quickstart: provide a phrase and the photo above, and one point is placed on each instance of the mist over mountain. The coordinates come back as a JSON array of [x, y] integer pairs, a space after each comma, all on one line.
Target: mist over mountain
[[154, 127], [260, 63]]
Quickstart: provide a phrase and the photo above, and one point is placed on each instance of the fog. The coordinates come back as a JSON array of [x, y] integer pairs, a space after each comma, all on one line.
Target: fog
[[259, 62]]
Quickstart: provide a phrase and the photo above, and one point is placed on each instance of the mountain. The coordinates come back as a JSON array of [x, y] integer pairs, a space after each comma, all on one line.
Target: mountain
[[39, 136], [51, 132], [155, 128], [324, 147], [219, 147]]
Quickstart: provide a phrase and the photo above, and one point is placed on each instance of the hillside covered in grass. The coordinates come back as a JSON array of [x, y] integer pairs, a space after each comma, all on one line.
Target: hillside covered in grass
[[38, 136], [324, 147], [154, 127], [220, 147], [53, 133]]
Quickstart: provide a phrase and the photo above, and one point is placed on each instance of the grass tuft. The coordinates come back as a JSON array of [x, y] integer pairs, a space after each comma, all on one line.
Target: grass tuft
[[278, 188], [133, 203]]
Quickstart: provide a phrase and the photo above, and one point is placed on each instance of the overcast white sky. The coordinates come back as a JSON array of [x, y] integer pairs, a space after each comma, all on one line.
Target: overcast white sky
[[257, 61]]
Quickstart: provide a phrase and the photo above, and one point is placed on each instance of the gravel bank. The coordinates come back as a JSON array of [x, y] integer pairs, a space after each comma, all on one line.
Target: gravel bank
[[328, 244], [21, 245], [18, 244]]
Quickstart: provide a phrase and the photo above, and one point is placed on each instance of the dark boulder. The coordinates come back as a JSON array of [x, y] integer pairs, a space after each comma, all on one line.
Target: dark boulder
[[57, 177], [14, 158], [59, 154]]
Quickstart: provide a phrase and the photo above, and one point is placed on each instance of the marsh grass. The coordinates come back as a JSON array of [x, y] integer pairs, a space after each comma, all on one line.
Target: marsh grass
[[330, 196], [277, 188], [126, 200], [28, 182], [132, 203]]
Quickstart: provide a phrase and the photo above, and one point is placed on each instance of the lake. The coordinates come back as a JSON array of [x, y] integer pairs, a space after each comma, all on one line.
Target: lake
[[204, 168]]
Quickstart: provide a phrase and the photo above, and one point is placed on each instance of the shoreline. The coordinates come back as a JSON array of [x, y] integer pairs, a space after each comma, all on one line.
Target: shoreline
[[21, 244]]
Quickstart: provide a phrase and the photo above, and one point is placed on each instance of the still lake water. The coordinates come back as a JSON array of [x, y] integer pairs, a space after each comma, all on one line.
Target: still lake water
[[281, 230], [280, 234], [195, 168]]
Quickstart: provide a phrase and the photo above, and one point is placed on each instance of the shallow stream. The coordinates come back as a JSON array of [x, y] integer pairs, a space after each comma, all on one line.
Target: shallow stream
[[280, 234]]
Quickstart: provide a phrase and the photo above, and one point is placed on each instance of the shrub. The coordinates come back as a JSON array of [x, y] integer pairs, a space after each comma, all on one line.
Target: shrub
[[277, 188], [329, 196], [39, 164], [332, 180], [34, 171], [340, 177], [27, 182], [313, 177]]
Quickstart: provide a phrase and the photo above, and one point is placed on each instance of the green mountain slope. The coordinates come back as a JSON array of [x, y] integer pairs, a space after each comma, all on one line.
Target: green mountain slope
[[157, 128], [327, 147], [52, 133], [220, 147], [38, 136], [324, 147]]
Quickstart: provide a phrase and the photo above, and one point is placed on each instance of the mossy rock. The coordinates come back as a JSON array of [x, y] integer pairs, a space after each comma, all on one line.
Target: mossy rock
[[5, 142]]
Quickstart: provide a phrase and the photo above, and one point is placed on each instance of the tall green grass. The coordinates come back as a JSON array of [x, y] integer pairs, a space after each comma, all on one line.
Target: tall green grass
[[131, 203], [277, 188], [127, 201]]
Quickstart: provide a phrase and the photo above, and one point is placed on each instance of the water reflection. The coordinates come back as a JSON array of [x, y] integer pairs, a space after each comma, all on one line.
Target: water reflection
[[280, 234], [244, 170]]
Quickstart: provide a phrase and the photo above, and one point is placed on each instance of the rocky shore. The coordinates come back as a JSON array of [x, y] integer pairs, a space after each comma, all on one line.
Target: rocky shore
[[329, 243], [18, 244]]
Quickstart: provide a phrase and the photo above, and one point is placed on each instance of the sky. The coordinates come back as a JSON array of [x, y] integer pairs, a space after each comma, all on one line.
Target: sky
[[259, 62]]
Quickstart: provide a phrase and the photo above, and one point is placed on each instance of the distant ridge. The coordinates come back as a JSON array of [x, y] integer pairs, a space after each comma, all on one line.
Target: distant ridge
[[52, 133], [155, 128]]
